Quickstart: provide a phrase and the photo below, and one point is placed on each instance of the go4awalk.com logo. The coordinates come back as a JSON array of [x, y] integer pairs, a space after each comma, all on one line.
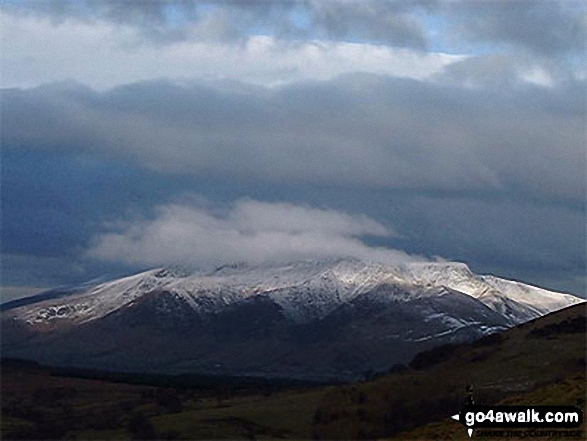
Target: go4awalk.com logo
[[515, 417]]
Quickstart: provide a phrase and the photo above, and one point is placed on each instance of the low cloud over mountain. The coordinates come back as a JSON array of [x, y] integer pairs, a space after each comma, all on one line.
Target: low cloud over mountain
[[250, 231]]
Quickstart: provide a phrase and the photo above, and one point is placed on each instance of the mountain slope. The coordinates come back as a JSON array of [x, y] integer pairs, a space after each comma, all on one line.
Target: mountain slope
[[541, 362], [517, 301], [309, 319]]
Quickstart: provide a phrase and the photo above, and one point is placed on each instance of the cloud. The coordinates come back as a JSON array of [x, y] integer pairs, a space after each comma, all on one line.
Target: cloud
[[392, 22], [54, 203], [474, 151], [105, 55], [500, 70], [166, 22], [9, 293], [544, 27], [274, 42], [358, 130], [248, 231]]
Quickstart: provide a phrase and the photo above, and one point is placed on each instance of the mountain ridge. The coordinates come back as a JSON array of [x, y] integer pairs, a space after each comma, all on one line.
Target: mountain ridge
[[306, 319], [347, 277]]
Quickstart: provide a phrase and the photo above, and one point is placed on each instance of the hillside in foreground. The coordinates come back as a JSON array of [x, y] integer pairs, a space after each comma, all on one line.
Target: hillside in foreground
[[570, 390], [540, 362]]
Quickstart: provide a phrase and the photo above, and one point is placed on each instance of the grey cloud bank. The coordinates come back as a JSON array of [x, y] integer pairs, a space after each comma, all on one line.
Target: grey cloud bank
[[105, 56], [541, 26], [545, 27], [363, 130]]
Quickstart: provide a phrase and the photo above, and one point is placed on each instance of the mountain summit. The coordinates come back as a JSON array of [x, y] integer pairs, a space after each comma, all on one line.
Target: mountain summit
[[318, 319]]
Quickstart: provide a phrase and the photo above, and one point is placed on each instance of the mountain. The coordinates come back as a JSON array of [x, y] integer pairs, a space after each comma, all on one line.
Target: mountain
[[541, 362], [314, 319]]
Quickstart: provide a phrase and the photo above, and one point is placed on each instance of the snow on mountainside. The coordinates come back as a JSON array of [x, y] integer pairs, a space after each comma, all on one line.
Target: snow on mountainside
[[306, 290], [312, 319], [517, 301], [453, 275], [542, 300], [94, 302]]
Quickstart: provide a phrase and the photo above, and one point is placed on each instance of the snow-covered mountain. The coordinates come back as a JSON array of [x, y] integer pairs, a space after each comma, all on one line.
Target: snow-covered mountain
[[517, 301], [313, 318]]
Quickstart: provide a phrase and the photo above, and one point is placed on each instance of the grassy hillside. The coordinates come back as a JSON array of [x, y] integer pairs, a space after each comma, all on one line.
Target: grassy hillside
[[541, 362], [43, 403], [530, 363], [571, 390]]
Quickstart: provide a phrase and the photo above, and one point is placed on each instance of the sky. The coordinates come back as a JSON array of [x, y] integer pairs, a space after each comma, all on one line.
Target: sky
[[138, 134]]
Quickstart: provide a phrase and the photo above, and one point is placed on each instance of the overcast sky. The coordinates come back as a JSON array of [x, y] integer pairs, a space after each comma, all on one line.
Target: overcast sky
[[145, 133]]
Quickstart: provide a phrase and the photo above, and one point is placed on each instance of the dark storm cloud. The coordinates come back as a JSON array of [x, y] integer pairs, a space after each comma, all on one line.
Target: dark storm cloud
[[517, 239], [391, 22], [55, 204], [358, 130], [545, 27]]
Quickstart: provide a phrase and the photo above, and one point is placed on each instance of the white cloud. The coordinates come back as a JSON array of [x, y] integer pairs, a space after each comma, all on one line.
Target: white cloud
[[249, 231], [102, 54]]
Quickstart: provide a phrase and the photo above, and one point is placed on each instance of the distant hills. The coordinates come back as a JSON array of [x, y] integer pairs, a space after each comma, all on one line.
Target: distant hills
[[336, 319]]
